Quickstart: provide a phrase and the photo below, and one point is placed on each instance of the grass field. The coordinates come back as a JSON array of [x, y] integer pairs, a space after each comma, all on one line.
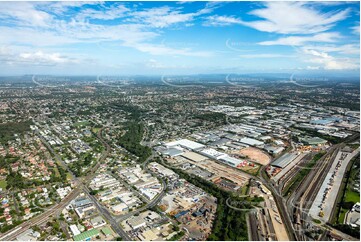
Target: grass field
[[3, 184], [342, 215], [56, 171], [251, 170], [83, 123], [95, 130], [352, 196], [68, 176], [244, 190]]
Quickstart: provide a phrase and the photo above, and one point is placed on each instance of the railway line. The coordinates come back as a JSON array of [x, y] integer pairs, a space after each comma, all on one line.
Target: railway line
[[301, 199], [288, 177]]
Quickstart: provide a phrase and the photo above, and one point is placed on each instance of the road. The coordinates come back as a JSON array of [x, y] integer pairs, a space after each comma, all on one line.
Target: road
[[155, 200], [104, 212], [55, 210], [38, 220], [296, 202], [280, 204], [253, 227], [301, 198], [56, 156]]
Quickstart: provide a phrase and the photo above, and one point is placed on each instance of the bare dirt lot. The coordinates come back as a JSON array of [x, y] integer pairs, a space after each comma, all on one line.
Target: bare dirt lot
[[254, 154]]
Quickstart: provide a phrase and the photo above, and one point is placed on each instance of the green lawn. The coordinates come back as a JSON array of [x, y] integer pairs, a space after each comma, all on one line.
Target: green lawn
[[316, 221], [56, 171], [95, 130], [3, 184], [244, 190], [352, 196], [83, 123], [68, 176], [341, 218]]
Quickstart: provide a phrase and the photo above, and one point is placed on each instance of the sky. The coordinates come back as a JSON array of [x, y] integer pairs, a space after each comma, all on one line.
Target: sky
[[156, 38]]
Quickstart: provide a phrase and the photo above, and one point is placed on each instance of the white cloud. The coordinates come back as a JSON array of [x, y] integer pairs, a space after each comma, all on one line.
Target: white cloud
[[286, 18], [39, 57], [160, 49], [10, 57], [312, 67], [113, 12], [165, 16], [154, 64], [24, 14], [356, 29], [328, 62], [294, 17], [135, 32], [61, 7], [222, 20], [348, 49], [301, 40], [251, 56]]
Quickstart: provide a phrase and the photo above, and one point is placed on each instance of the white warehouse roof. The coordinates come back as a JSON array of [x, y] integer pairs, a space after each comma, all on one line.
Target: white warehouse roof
[[231, 161], [212, 153], [186, 143], [252, 142]]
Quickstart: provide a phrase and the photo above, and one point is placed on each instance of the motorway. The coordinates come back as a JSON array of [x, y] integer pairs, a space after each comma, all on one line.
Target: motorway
[[280, 204], [253, 227]]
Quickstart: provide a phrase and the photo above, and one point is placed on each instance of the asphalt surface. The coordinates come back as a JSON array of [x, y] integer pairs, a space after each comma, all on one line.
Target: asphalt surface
[[114, 220], [151, 203], [253, 227], [104, 212], [280, 204]]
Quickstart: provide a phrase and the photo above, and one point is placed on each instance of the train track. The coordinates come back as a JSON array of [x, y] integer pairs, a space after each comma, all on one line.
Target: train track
[[306, 190], [288, 177]]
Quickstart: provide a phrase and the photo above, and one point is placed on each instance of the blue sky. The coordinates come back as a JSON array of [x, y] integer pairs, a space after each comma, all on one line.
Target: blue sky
[[124, 38]]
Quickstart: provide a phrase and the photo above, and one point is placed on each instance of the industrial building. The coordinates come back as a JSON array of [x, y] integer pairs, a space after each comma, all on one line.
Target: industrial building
[[251, 142], [185, 143], [284, 160], [231, 161]]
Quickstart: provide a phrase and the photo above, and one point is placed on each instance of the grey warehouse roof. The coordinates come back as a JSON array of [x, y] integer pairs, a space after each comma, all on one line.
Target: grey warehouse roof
[[284, 160]]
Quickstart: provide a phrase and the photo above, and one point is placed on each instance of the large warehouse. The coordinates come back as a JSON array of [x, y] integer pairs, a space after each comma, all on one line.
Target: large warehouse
[[231, 161], [185, 143], [251, 142], [284, 160]]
